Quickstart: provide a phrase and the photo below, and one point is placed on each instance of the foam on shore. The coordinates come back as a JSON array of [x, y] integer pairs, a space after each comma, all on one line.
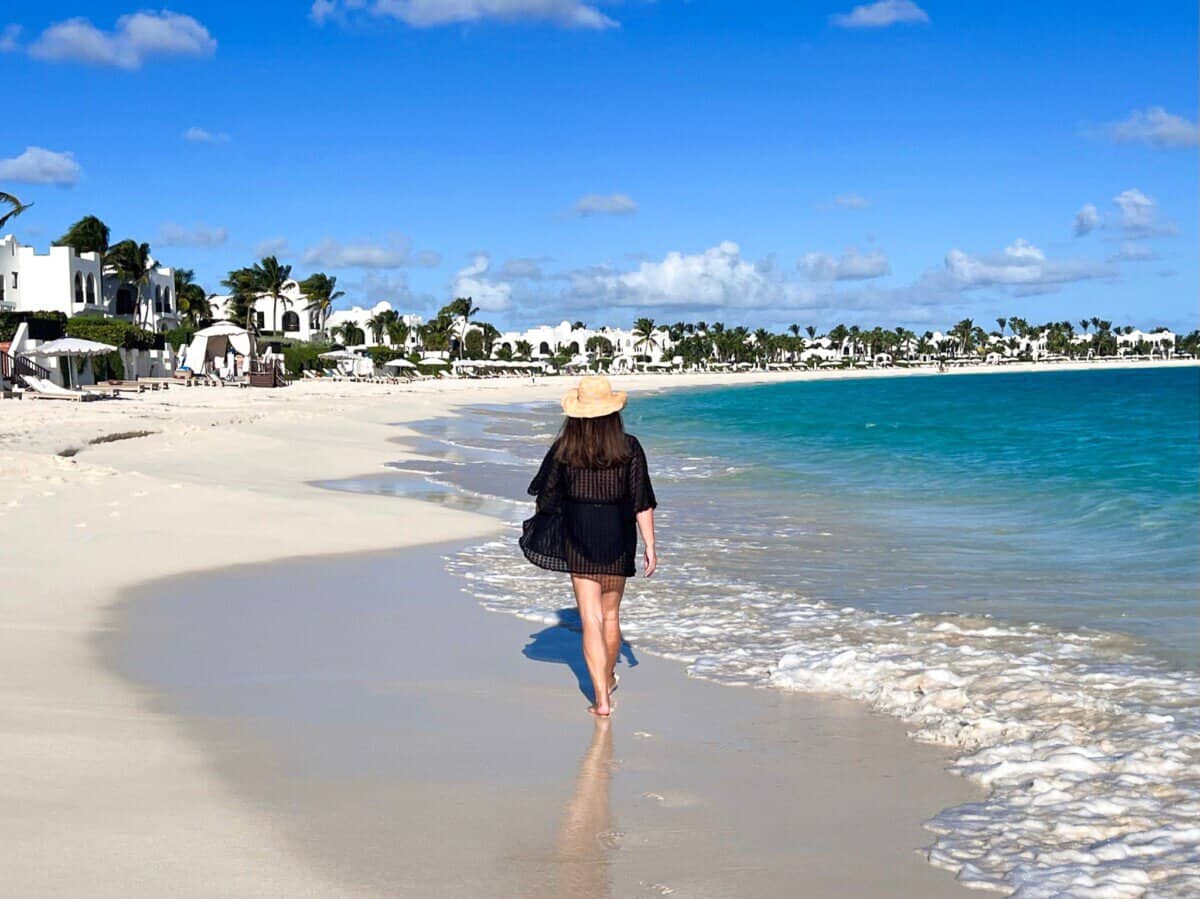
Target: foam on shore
[[1090, 752]]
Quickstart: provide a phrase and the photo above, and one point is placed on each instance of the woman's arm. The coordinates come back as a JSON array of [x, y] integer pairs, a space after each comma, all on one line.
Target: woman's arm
[[645, 523]]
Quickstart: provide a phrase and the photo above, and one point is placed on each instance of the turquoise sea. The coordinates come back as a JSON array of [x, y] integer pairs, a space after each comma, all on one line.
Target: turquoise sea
[[1009, 563]]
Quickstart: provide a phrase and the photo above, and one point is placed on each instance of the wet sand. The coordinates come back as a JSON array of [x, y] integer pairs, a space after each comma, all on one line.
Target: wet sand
[[405, 742]]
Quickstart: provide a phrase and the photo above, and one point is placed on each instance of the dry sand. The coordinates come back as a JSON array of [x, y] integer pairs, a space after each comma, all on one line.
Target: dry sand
[[103, 794]]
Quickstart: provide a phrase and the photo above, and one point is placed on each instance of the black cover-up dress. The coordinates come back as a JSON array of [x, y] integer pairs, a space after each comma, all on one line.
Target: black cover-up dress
[[586, 519]]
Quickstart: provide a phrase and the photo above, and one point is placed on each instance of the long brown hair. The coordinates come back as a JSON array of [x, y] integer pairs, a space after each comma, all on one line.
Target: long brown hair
[[592, 442]]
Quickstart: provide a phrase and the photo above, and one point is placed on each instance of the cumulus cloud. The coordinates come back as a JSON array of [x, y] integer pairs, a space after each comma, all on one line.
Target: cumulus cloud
[[38, 165], [1157, 128], [1086, 220], [1021, 266], [716, 278], [851, 201], [489, 294], [10, 38], [198, 135], [272, 246], [136, 38], [881, 14], [851, 266], [605, 204], [173, 235], [396, 252], [1138, 215], [433, 13]]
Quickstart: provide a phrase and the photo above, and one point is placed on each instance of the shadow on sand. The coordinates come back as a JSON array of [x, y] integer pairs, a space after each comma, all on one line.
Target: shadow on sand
[[561, 643]]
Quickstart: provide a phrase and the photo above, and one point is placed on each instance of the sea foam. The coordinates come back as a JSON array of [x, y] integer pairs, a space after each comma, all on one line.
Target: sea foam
[[1090, 754]]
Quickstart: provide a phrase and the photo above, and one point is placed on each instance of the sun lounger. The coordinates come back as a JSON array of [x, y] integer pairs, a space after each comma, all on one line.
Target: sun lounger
[[41, 389], [115, 387]]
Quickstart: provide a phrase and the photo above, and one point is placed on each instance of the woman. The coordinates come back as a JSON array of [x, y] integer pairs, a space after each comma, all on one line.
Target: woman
[[593, 496]]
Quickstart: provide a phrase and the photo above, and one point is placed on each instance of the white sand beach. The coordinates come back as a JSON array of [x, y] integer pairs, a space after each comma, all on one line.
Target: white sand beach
[[104, 793]]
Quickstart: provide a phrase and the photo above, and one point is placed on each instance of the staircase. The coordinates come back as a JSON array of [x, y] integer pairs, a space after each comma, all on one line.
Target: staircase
[[12, 367]]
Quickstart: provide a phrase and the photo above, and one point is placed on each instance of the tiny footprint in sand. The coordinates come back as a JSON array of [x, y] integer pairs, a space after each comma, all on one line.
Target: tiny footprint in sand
[[658, 889], [657, 797], [643, 735]]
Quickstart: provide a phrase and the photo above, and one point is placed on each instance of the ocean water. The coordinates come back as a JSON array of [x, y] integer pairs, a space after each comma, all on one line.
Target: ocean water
[[1008, 563]]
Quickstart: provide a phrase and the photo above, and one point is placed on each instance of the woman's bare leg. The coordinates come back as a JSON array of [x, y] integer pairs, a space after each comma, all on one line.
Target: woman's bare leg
[[612, 588], [588, 597]]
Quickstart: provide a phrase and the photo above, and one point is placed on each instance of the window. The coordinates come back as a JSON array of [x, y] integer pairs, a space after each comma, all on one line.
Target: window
[[78, 287], [158, 304], [167, 299], [314, 320], [125, 300], [91, 288], [15, 285], [291, 321], [260, 320]]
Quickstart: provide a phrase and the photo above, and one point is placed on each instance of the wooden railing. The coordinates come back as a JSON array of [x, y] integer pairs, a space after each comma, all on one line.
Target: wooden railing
[[13, 366]]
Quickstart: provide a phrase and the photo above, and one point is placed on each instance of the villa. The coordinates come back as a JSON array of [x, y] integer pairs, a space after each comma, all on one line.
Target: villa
[[566, 339], [78, 284]]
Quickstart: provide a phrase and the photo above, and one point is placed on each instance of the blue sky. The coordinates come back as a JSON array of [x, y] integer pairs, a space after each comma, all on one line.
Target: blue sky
[[888, 162]]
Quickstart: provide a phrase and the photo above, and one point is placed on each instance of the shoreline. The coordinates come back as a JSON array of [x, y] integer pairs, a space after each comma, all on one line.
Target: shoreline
[[224, 479]]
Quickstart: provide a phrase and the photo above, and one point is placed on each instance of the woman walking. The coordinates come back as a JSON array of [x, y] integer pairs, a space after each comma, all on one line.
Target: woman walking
[[593, 496]]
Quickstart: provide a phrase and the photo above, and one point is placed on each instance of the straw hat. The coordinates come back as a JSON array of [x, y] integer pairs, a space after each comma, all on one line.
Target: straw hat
[[593, 398]]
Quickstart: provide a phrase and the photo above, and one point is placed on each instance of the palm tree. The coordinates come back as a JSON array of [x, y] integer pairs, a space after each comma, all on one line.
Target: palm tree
[[88, 235], [463, 308], [193, 301], [349, 333], [1002, 322], [811, 331], [243, 297], [964, 334], [270, 279], [397, 330], [321, 292], [16, 207], [643, 332], [133, 265], [524, 349], [378, 323]]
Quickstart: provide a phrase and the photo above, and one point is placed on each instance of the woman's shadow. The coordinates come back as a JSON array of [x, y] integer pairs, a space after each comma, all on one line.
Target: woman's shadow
[[561, 643]]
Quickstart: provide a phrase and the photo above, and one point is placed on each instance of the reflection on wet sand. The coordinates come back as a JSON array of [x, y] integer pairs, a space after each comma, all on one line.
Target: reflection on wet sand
[[581, 856]]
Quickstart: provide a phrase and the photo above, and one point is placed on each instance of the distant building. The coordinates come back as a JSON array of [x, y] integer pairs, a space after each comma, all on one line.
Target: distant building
[[298, 322], [78, 284], [564, 339]]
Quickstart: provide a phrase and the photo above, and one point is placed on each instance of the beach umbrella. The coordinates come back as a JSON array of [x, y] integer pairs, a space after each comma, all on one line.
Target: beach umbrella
[[398, 363], [433, 360], [339, 355], [72, 347]]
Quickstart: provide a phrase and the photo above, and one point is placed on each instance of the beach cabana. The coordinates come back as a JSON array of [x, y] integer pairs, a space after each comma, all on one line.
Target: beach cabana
[[72, 347], [216, 342]]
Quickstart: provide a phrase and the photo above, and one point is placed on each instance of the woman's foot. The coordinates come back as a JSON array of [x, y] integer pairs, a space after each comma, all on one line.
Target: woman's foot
[[600, 711]]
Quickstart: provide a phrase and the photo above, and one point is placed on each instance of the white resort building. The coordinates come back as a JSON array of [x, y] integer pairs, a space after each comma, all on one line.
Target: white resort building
[[565, 339], [62, 280]]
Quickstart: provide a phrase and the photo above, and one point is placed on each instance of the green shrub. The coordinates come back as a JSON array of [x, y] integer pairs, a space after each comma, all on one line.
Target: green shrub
[[43, 325], [300, 356], [113, 332], [180, 336]]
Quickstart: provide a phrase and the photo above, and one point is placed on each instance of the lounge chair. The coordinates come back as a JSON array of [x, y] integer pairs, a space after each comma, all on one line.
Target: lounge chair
[[41, 389], [115, 387]]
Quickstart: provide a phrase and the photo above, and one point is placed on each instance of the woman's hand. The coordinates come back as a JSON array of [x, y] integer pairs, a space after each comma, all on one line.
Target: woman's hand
[[651, 559]]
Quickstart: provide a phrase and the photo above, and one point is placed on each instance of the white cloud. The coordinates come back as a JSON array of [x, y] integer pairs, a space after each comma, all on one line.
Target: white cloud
[[1135, 252], [489, 295], [1138, 215], [40, 166], [852, 266], [173, 235], [1022, 267], [433, 13], [1086, 220], [272, 246], [528, 269], [881, 15], [136, 38], [1156, 127], [198, 135], [851, 201], [605, 204], [396, 252], [719, 277], [9, 38]]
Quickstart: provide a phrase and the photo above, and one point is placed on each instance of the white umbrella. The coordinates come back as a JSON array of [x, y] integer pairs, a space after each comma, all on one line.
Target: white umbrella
[[398, 363], [339, 355], [433, 360], [72, 347], [220, 329]]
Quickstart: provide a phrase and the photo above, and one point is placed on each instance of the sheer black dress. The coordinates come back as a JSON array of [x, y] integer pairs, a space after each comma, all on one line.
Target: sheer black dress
[[586, 519]]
